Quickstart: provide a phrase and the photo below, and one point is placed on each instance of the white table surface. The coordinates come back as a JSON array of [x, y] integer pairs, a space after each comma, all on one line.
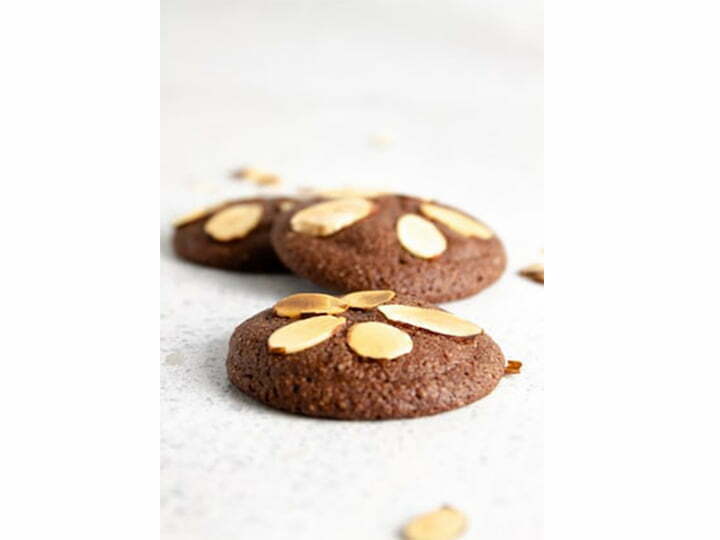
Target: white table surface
[[301, 88]]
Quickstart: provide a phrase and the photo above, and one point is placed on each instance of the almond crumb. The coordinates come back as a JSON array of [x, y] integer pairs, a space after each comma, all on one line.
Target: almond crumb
[[257, 176], [445, 523], [381, 140], [536, 272]]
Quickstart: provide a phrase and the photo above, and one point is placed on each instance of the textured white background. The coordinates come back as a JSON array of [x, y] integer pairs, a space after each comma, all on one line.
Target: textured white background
[[300, 88]]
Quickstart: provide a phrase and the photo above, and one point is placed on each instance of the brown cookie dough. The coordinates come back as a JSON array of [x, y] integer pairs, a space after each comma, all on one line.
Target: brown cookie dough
[[210, 244], [401, 243], [429, 372]]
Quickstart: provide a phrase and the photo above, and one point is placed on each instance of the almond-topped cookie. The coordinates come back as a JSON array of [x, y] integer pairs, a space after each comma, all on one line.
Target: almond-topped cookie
[[367, 355], [384, 241], [234, 235]]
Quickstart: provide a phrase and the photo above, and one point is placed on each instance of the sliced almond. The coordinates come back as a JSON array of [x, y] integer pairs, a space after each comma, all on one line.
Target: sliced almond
[[300, 335], [234, 222], [378, 340], [460, 223], [257, 176], [349, 193], [301, 304], [420, 237], [536, 272], [286, 205], [381, 140], [367, 299], [326, 218], [193, 216], [445, 523], [435, 320]]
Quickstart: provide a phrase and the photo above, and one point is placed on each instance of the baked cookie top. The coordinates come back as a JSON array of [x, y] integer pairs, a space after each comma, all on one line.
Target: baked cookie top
[[365, 355], [234, 235], [412, 246]]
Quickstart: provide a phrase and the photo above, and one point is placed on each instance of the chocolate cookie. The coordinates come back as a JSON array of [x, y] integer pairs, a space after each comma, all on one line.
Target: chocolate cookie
[[367, 355], [234, 235], [396, 242]]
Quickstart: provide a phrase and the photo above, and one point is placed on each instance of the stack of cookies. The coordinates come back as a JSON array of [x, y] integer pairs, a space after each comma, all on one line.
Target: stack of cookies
[[382, 350]]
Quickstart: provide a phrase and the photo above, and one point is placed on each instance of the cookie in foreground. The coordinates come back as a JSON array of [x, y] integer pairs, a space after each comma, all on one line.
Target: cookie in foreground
[[385, 241], [368, 355], [234, 235]]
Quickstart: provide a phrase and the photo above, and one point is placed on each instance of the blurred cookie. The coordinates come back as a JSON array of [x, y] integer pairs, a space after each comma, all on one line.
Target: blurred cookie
[[367, 355], [396, 242], [234, 235]]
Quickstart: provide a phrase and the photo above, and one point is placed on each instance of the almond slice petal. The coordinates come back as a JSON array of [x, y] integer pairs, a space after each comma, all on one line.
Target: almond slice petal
[[445, 523], [326, 218], [420, 237], [286, 205], [367, 299], [378, 340], [300, 304], [460, 223], [435, 320], [234, 222], [193, 216], [300, 335]]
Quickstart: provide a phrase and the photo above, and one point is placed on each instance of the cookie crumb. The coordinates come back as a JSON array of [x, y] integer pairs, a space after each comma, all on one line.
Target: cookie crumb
[[256, 176], [536, 272], [513, 367]]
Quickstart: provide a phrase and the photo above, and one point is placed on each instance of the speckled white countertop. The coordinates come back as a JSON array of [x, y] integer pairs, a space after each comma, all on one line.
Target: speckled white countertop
[[306, 89]]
